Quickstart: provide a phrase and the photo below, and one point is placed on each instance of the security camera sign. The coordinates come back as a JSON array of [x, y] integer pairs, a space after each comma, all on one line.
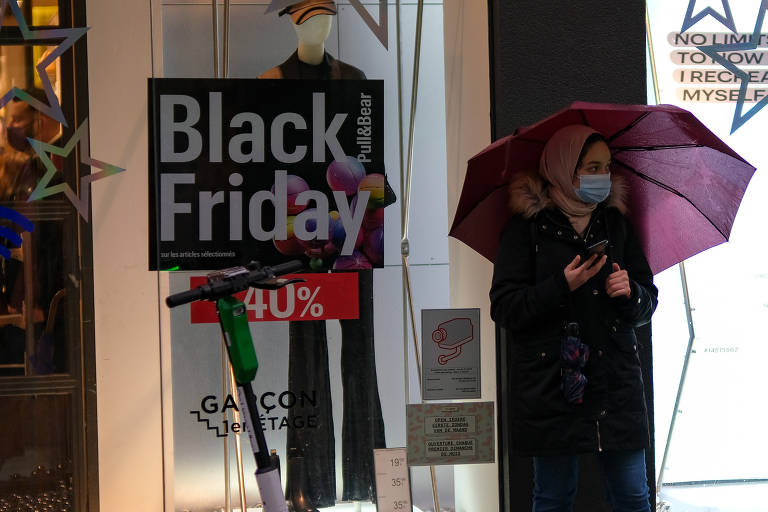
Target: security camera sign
[[450, 348]]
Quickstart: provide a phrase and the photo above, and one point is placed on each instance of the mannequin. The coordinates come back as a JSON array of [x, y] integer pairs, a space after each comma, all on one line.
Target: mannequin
[[312, 24], [311, 36], [312, 482]]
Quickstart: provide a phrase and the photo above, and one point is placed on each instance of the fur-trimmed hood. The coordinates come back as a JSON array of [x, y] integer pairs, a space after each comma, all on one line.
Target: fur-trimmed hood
[[528, 194]]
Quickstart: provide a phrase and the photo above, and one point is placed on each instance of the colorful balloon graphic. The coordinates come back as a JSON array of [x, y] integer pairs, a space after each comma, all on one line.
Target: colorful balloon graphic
[[345, 175], [373, 183], [316, 264], [291, 246], [314, 246], [295, 185], [338, 234]]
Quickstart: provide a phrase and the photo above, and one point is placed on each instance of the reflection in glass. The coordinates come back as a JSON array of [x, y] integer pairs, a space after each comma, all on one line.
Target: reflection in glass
[[37, 327], [44, 449], [37, 13], [36, 468]]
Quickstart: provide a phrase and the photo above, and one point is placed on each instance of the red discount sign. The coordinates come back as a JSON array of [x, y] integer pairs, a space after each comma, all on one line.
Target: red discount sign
[[319, 297]]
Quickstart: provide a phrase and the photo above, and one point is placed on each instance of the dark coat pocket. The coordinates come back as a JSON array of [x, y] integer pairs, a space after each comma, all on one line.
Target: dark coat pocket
[[628, 384], [625, 339], [537, 380]]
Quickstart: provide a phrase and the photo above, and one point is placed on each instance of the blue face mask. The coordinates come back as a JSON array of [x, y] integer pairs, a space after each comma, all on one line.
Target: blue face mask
[[594, 188]]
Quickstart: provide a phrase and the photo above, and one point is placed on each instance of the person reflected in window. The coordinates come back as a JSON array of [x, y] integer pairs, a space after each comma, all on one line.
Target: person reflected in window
[[21, 167], [20, 171], [576, 384]]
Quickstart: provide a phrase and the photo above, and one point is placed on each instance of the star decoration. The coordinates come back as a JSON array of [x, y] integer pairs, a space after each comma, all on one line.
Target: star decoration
[[691, 20], [68, 35], [79, 202], [713, 51]]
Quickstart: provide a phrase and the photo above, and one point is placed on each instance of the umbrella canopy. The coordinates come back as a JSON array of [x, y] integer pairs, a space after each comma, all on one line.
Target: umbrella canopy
[[685, 184]]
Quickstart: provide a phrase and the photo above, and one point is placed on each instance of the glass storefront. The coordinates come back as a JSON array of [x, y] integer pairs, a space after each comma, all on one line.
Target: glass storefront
[[714, 459], [716, 452], [45, 297], [203, 442]]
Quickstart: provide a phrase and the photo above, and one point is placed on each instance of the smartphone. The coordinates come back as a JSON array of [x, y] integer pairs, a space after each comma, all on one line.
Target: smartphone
[[597, 248]]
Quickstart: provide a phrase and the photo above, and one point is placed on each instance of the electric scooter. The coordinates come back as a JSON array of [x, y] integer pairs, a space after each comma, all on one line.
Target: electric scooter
[[233, 319]]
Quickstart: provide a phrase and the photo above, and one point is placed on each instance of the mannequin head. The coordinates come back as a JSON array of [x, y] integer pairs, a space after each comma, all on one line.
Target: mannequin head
[[312, 34], [314, 31], [312, 23]]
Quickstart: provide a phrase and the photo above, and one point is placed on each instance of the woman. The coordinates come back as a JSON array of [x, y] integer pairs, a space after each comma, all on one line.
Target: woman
[[544, 280]]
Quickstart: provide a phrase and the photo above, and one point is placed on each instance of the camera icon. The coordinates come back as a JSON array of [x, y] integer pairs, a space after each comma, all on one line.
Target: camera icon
[[451, 335]]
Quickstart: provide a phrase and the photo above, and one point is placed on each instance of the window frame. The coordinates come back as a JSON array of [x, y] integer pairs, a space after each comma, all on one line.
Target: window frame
[[80, 380]]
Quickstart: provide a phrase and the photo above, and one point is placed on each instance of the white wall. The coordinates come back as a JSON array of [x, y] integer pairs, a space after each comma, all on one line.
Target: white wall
[[468, 130], [126, 294]]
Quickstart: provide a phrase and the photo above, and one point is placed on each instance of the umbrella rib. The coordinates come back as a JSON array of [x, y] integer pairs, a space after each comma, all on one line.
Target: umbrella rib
[[669, 189], [628, 127], [656, 147]]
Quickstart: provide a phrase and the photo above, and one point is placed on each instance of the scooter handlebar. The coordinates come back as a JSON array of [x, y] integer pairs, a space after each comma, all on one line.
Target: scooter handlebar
[[218, 289]]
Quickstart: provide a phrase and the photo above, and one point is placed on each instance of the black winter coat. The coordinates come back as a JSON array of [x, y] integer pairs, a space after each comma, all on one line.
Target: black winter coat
[[531, 300]]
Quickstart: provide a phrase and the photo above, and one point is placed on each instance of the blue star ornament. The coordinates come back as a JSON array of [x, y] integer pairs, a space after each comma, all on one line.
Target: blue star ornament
[[714, 52], [81, 202], [690, 20], [68, 37]]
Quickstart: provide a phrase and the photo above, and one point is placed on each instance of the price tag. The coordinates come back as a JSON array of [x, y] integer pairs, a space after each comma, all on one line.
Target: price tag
[[393, 484]]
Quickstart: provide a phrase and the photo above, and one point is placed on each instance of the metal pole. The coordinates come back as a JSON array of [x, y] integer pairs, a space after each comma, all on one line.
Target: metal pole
[[232, 382], [414, 97], [224, 373], [225, 367], [401, 170], [688, 352], [215, 17], [225, 51], [400, 153], [238, 443], [404, 246], [406, 193], [413, 319]]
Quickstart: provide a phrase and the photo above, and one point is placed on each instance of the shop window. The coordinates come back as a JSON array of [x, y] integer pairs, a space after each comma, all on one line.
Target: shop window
[[38, 13], [710, 441], [46, 336], [204, 474]]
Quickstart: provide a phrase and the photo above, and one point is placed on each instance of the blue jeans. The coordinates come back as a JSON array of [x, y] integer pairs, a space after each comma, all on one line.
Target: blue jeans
[[626, 487]]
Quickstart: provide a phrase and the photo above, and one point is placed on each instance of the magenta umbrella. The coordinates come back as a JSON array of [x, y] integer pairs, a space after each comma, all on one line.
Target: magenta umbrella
[[685, 183]]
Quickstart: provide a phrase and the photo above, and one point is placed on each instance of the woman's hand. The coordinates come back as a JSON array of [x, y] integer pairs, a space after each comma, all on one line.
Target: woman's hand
[[577, 275], [617, 283]]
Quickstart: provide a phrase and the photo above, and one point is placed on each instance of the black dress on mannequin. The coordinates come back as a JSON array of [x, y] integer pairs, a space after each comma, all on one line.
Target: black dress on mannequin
[[362, 422]]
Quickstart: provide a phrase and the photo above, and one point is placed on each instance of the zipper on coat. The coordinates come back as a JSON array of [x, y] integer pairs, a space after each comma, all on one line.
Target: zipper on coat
[[599, 445]]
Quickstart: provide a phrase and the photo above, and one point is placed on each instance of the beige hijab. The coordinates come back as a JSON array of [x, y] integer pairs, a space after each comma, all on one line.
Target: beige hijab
[[558, 165]]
